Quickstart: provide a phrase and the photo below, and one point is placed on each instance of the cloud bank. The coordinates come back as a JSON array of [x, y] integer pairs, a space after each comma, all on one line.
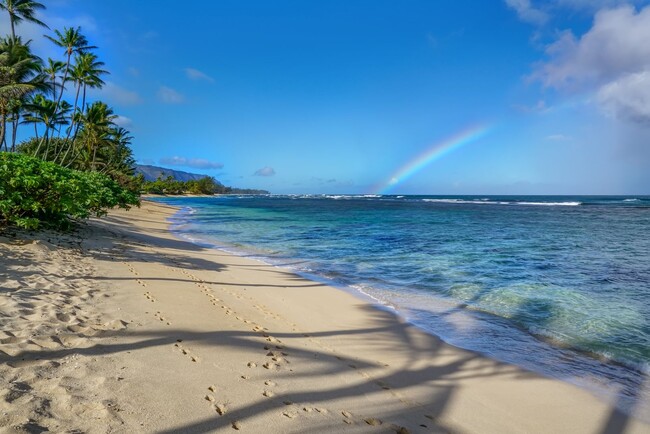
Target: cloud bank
[[612, 60], [195, 163]]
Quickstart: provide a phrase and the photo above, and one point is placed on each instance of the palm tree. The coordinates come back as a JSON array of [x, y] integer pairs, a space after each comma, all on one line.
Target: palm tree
[[120, 159], [41, 110], [52, 71], [20, 10], [96, 125], [19, 76], [73, 42], [85, 73]]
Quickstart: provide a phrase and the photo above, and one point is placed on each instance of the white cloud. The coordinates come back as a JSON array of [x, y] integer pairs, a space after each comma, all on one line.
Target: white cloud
[[123, 121], [196, 163], [117, 94], [616, 44], [265, 171], [612, 60], [34, 32], [527, 12], [169, 95], [628, 97], [195, 74]]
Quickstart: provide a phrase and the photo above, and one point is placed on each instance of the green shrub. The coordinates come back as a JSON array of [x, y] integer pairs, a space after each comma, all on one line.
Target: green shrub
[[35, 193], [205, 185]]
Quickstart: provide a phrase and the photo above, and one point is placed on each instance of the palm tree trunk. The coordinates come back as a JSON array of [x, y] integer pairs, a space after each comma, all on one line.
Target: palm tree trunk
[[13, 31], [74, 110], [83, 108], [40, 142], [67, 151], [14, 132], [3, 128], [83, 100], [94, 157], [65, 77]]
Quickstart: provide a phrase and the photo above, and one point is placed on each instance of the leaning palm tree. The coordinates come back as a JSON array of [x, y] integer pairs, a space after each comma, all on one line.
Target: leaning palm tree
[[73, 42], [53, 70], [85, 74], [19, 77], [22, 10], [92, 73], [96, 125], [119, 156], [41, 110]]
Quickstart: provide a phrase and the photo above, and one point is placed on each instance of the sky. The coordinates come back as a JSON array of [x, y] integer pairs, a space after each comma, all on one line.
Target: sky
[[376, 96]]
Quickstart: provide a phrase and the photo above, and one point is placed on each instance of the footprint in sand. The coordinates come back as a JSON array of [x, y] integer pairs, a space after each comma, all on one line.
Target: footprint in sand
[[383, 385], [186, 352], [373, 421], [271, 366], [220, 408], [161, 318]]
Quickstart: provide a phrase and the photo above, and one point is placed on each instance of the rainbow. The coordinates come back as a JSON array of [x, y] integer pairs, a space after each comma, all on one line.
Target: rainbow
[[433, 153]]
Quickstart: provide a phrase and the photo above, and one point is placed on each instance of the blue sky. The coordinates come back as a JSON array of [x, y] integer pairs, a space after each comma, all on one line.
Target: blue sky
[[338, 96]]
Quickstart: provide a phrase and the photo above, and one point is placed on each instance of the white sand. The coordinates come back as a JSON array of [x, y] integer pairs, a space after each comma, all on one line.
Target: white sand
[[131, 330]]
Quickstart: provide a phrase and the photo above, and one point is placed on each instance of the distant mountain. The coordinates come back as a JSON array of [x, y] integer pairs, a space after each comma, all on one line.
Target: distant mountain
[[151, 173]]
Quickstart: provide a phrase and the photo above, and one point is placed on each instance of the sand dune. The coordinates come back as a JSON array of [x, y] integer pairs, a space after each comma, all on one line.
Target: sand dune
[[120, 327]]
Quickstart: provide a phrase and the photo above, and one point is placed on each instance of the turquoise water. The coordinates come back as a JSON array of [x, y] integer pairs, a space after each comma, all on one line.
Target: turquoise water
[[559, 285]]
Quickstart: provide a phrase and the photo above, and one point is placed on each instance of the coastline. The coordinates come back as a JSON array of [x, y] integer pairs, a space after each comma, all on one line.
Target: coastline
[[168, 334]]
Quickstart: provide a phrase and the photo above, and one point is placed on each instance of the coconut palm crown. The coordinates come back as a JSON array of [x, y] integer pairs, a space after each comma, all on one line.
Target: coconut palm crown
[[22, 10]]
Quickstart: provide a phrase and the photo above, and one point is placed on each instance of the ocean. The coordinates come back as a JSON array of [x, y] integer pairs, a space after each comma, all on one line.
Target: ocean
[[558, 285]]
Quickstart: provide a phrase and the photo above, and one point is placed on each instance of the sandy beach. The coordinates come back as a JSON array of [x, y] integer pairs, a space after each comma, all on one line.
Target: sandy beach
[[121, 327]]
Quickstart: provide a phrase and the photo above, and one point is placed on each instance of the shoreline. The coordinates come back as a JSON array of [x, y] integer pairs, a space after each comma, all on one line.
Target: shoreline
[[623, 371], [175, 332]]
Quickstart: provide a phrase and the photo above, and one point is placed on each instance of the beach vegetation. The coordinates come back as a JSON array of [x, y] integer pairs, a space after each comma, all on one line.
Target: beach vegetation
[[36, 193], [169, 185], [64, 156]]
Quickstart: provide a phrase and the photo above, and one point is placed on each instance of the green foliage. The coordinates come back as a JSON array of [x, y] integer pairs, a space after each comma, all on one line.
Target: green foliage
[[80, 163], [34, 193], [169, 185]]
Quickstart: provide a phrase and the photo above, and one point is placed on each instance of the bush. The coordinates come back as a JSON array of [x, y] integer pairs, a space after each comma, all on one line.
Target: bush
[[35, 193], [205, 185]]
